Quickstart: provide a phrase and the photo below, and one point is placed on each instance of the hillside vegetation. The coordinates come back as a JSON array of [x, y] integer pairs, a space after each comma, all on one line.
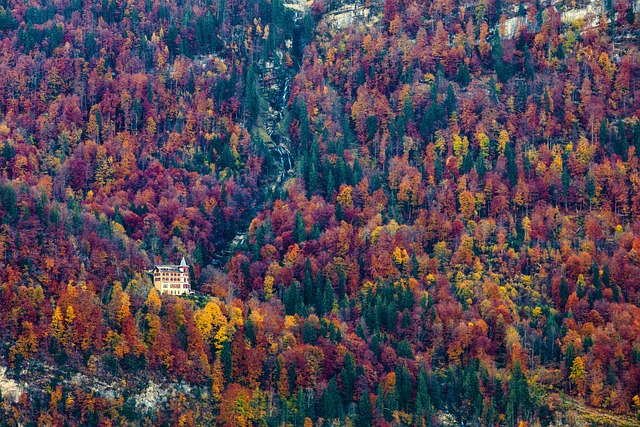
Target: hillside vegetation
[[395, 213]]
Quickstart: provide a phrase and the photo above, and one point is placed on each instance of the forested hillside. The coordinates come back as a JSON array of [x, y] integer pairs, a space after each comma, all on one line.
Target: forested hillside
[[395, 213]]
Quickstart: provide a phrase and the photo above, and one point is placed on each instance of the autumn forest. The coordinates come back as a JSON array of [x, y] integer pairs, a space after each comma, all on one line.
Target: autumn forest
[[394, 212]]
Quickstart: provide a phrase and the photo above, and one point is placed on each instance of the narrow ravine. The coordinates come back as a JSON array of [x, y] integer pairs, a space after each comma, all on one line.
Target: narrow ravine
[[280, 140]]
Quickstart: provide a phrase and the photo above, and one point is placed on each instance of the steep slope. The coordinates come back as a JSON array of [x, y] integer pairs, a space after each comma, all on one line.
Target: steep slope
[[396, 213]]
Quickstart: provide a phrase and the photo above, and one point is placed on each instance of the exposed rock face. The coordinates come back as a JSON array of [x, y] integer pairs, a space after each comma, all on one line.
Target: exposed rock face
[[157, 394], [147, 395], [299, 5], [10, 389], [347, 14], [447, 420], [510, 27], [590, 14]]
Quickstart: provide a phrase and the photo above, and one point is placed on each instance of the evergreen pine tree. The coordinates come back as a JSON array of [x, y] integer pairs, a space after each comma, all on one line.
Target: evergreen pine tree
[[364, 418], [424, 407], [252, 96], [635, 137], [348, 378], [227, 361], [403, 386], [427, 122], [597, 283], [299, 229], [604, 133], [564, 292], [512, 167], [308, 285], [330, 184], [519, 396], [463, 77], [529, 70], [450, 100], [621, 144]]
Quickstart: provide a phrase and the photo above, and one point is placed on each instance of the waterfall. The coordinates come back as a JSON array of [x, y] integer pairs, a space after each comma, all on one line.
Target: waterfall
[[279, 138]]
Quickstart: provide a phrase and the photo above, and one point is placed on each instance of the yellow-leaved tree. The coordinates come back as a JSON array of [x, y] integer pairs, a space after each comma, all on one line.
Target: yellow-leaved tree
[[212, 324], [578, 375], [119, 306], [57, 324], [467, 204], [152, 317]]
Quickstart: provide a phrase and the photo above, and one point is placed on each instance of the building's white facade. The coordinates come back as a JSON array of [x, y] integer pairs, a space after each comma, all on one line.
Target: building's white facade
[[172, 279]]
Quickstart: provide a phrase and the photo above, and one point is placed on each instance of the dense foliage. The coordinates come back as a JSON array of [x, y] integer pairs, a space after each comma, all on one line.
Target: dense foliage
[[459, 236]]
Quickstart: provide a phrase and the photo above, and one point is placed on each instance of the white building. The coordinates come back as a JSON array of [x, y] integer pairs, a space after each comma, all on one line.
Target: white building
[[172, 279]]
